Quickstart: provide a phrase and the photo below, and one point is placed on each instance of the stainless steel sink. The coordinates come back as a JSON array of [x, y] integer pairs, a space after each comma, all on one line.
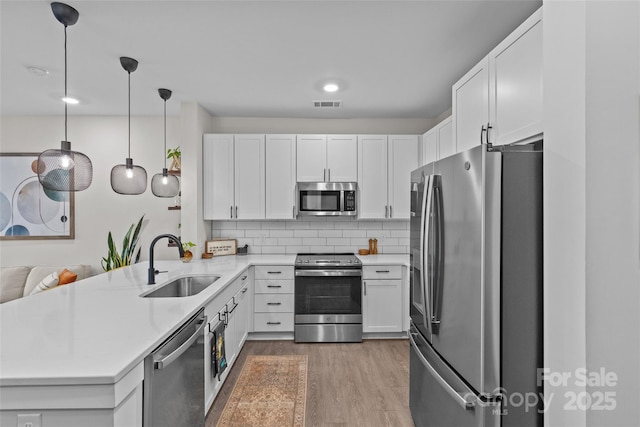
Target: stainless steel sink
[[183, 287]]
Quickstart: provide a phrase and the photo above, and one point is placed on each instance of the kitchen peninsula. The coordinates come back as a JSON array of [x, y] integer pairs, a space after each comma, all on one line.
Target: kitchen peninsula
[[76, 354]]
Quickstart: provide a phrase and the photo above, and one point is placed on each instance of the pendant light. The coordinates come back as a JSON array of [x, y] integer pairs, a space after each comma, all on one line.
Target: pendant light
[[129, 178], [63, 169], [163, 184]]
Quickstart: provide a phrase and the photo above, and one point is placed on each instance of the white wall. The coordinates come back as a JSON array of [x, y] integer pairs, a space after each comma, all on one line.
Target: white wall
[[335, 126], [98, 209], [592, 208]]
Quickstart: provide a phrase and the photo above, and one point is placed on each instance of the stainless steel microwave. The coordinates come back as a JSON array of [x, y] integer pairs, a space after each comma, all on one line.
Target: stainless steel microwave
[[326, 198]]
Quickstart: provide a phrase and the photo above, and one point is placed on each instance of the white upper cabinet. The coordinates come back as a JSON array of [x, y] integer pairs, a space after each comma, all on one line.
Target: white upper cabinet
[[470, 107], [234, 176], [280, 184], [515, 88], [384, 167], [500, 99], [327, 158], [342, 158], [403, 158], [437, 143], [372, 176], [311, 157]]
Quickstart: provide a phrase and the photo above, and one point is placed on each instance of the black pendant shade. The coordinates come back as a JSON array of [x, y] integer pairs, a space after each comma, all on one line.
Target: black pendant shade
[[128, 178], [64, 169], [163, 184]]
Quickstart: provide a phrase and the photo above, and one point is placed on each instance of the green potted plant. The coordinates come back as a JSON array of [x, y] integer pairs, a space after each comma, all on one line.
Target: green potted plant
[[186, 247], [116, 259], [174, 154]]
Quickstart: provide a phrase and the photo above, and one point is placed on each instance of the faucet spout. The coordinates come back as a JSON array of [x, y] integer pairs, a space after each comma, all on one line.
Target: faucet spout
[[152, 270]]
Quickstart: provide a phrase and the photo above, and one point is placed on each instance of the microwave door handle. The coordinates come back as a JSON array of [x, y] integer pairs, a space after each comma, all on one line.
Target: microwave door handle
[[425, 235], [438, 268]]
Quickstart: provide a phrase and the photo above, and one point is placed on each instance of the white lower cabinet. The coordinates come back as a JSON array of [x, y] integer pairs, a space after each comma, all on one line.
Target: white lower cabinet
[[273, 299], [382, 299], [232, 308]]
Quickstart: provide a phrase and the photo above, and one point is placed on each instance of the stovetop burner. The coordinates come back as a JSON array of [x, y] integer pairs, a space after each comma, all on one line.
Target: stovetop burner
[[338, 260]]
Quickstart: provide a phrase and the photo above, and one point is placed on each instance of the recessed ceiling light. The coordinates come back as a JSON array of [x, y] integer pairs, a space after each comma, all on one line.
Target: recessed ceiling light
[[70, 100], [331, 87], [37, 71]]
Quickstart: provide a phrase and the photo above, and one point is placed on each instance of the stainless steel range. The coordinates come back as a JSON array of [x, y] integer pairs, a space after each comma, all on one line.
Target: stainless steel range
[[328, 298]]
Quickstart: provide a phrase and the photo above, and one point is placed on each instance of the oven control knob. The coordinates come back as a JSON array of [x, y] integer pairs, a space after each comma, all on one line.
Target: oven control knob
[[349, 261], [306, 260]]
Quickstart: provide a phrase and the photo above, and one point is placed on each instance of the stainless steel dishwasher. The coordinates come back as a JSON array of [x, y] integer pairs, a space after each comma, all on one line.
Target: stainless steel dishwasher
[[174, 378]]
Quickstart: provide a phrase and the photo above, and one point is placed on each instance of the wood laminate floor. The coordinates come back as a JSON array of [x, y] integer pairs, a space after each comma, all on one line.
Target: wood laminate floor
[[363, 384]]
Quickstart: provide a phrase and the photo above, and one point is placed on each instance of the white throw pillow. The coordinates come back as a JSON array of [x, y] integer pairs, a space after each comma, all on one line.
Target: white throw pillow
[[51, 281]]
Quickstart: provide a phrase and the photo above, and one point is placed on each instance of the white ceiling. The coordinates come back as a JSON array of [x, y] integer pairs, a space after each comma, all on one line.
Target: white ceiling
[[394, 59]]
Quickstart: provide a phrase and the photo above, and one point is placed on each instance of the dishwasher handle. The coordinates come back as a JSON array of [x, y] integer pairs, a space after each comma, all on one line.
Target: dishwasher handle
[[168, 359]]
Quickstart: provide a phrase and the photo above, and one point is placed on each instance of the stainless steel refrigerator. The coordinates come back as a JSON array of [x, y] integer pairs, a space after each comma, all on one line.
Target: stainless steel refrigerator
[[476, 289]]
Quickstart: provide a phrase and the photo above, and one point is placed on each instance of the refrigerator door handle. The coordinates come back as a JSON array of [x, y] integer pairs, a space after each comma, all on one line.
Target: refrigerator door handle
[[424, 239], [467, 400], [438, 276]]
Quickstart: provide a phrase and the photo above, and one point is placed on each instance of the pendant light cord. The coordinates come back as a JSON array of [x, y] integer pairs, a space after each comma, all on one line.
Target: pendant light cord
[[65, 83], [129, 72], [165, 133]]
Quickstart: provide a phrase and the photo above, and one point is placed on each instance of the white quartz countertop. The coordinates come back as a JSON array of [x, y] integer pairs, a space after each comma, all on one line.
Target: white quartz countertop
[[96, 330]]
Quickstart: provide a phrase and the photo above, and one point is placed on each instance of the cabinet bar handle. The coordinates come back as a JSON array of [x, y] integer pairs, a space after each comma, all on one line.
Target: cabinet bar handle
[[236, 212], [390, 211], [274, 286], [245, 290], [382, 271], [274, 272], [365, 288], [244, 277], [230, 211], [274, 323], [386, 211], [329, 174], [274, 303]]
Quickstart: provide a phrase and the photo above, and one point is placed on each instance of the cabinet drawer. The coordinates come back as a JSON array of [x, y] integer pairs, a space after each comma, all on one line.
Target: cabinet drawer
[[274, 272], [274, 303], [382, 272], [273, 322], [276, 286]]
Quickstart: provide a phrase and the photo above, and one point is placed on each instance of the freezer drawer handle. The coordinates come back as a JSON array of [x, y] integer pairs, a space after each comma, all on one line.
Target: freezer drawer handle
[[466, 401], [274, 323]]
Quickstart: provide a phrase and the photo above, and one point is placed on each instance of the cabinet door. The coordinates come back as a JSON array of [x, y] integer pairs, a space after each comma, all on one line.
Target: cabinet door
[[382, 306], [311, 154], [470, 109], [402, 159], [372, 176], [230, 332], [242, 315], [280, 169], [516, 84], [249, 177], [342, 158], [218, 176], [446, 144], [428, 150]]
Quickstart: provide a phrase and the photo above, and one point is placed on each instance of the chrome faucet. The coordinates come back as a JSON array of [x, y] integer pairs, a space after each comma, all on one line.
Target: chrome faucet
[[152, 270]]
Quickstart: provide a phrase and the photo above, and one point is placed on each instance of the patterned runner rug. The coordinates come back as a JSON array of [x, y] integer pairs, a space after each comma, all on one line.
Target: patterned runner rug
[[270, 392]]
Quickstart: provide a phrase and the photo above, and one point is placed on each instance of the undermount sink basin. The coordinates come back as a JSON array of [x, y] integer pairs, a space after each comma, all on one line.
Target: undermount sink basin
[[183, 287]]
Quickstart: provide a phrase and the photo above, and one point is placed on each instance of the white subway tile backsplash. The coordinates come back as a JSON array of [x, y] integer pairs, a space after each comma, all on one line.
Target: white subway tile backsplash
[[329, 233], [354, 233], [315, 234], [281, 233], [305, 233]]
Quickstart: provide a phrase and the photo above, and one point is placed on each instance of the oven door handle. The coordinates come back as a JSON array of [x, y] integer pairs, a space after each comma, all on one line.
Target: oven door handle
[[326, 273]]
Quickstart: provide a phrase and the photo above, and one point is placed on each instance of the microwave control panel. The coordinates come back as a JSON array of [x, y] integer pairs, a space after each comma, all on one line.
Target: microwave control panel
[[349, 200]]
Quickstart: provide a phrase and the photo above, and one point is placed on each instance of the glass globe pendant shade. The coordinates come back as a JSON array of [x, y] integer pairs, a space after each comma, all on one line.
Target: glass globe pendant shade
[[128, 179], [165, 185], [64, 170]]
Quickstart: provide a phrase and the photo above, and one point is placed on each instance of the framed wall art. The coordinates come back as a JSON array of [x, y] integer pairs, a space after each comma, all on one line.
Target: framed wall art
[[27, 210]]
